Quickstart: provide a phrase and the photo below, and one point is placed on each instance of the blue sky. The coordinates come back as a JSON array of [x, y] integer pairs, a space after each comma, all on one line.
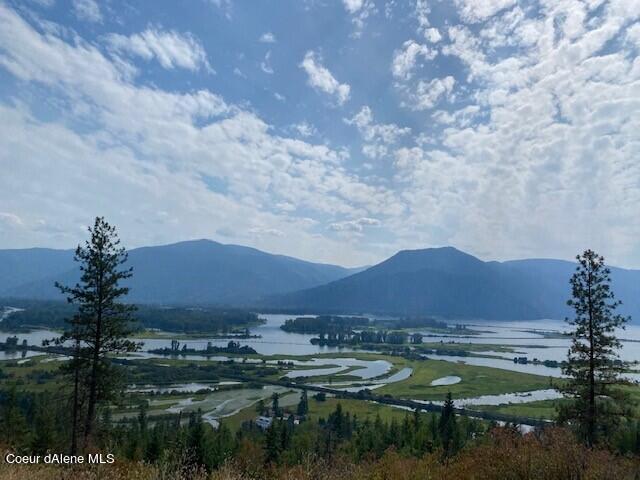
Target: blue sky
[[334, 131]]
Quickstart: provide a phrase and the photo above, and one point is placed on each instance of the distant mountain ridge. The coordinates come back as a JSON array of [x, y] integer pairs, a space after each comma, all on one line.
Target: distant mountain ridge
[[21, 266], [196, 272], [448, 283], [443, 282]]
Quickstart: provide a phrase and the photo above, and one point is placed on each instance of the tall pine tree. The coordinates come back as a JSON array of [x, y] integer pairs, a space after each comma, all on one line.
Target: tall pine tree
[[303, 405], [593, 366], [447, 427], [102, 322], [13, 424]]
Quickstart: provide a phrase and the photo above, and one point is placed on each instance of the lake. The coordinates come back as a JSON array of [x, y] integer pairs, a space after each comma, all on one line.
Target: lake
[[519, 334]]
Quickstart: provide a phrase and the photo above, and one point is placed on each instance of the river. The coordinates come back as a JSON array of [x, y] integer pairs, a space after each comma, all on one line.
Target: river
[[518, 334]]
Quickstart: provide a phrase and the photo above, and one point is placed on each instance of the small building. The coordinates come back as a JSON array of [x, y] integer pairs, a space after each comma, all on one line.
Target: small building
[[264, 422]]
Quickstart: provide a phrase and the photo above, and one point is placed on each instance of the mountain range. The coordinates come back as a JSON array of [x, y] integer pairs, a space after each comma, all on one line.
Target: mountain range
[[448, 283], [191, 272], [441, 282]]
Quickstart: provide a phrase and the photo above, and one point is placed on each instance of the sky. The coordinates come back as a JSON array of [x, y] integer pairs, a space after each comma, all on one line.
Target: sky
[[334, 131]]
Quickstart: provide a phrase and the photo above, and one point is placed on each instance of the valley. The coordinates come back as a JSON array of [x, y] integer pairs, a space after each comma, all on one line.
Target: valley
[[485, 378], [249, 350]]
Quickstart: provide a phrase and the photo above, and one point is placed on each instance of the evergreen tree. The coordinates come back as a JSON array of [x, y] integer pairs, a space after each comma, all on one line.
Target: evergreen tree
[[303, 405], [196, 438], [43, 428], [286, 431], [222, 446], [275, 405], [102, 323], [155, 443], [593, 366], [416, 419], [143, 427], [106, 425], [447, 427], [433, 430], [337, 421], [13, 424], [272, 443]]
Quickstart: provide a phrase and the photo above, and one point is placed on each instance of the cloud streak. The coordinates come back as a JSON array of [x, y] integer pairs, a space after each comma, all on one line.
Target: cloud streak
[[87, 10], [321, 79], [171, 49]]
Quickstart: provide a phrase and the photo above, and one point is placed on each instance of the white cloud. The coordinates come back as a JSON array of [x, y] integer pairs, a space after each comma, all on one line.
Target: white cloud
[[463, 117], [502, 30], [11, 219], [353, 6], [473, 11], [305, 129], [357, 225], [467, 48], [360, 11], [375, 150], [376, 136], [633, 35], [432, 35], [171, 49], [406, 58], [370, 131], [259, 231], [268, 38], [427, 94], [421, 13], [320, 78], [224, 5], [265, 65], [44, 3], [88, 10]]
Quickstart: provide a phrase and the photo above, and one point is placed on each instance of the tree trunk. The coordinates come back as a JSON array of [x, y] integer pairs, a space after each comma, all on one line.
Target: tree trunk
[[93, 383], [93, 390], [76, 401], [591, 411]]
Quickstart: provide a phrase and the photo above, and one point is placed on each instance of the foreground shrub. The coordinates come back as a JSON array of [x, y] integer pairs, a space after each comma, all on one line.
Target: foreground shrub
[[502, 455]]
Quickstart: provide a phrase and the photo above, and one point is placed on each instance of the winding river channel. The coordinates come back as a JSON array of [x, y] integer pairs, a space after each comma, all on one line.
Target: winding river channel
[[528, 338], [532, 339]]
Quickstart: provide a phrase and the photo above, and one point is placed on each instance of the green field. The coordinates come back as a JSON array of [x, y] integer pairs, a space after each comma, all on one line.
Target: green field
[[546, 409], [476, 381], [363, 410]]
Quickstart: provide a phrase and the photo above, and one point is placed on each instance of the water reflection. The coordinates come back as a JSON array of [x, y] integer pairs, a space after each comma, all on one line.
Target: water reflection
[[448, 380], [503, 399], [527, 337]]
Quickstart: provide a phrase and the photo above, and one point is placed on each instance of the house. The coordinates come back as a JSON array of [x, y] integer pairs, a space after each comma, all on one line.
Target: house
[[263, 422]]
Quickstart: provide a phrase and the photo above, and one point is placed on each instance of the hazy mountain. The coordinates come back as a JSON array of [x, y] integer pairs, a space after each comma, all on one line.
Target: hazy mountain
[[18, 267], [200, 271], [551, 278], [452, 284], [441, 281]]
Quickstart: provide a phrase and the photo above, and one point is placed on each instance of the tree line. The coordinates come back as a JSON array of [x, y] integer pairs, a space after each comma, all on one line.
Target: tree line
[[200, 319]]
